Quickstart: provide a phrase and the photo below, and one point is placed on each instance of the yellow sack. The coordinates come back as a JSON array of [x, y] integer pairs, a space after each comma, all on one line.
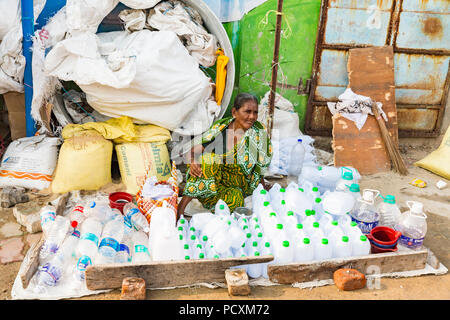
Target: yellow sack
[[121, 130], [221, 75], [84, 163], [136, 158], [438, 161]]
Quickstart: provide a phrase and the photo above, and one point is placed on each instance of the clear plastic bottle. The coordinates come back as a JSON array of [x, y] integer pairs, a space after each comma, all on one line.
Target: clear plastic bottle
[[283, 252], [304, 250], [55, 237], [354, 190], [360, 246], [389, 212], [323, 250], [77, 216], [296, 158], [413, 226], [221, 208], [140, 247], [48, 215], [91, 230], [345, 181], [123, 255], [342, 248], [266, 250], [365, 213], [112, 235], [183, 224], [254, 270], [316, 234], [136, 217], [336, 233]]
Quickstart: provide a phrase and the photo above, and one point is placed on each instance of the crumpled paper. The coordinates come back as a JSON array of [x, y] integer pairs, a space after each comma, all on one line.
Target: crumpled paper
[[355, 107]]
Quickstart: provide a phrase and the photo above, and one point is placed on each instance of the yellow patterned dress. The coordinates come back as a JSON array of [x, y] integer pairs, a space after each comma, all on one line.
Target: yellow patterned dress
[[233, 175]]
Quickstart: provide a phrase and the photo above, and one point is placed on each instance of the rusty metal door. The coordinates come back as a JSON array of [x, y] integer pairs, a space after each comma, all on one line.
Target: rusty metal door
[[418, 30]]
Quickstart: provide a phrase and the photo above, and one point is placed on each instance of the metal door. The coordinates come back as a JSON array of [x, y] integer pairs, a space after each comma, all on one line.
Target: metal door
[[418, 30]]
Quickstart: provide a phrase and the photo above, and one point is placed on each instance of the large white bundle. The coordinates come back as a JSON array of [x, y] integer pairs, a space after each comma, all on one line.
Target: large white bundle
[[86, 15], [148, 76], [10, 15], [140, 4]]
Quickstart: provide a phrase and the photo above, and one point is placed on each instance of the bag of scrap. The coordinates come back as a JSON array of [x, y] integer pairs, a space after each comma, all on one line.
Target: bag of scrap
[[29, 162], [85, 158], [438, 161], [146, 75]]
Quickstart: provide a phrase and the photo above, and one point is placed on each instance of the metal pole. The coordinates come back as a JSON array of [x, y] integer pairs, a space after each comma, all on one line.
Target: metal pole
[[276, 54], [27, 42]]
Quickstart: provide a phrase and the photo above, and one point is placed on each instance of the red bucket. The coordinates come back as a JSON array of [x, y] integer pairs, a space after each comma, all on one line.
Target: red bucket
[[117, 200], [383, 239]]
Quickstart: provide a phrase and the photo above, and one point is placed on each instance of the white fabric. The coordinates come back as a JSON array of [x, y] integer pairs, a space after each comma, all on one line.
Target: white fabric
[[134, 19], [86, 15], [140, 4], [172, 16], [10, 16], [128, 74], [232, 10]]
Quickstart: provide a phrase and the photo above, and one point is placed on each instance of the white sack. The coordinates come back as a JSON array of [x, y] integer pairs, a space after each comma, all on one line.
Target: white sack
[[29, 162], [134, 19], [148, 76], [86, 15], [172, 16], [140, 4], [9, 16], [285, 119]]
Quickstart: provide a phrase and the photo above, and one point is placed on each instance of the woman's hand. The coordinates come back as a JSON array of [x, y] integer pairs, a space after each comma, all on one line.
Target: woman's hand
[[195, 167], [196, 170]]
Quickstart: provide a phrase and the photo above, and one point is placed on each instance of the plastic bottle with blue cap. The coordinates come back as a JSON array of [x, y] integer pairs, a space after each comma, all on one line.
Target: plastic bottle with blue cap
[[296, 158], [389, 211], [111, 237], [354, 190]]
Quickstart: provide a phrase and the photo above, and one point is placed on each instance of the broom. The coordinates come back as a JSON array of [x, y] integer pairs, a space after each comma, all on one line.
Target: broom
[[391, 148]]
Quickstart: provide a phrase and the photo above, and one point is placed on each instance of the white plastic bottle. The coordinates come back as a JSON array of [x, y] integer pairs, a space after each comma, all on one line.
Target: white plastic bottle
[[353, 232], [283, 252], [55, 237], [316, 234], [304, 250], [221, 241], [389, 212], [183, 225], [335, 233], [136, 217], [77, 216], [48, 215], [254, 270], [413, 226], [360, 246], [342, 248], [91, 230], [266, 250], [296, 158], [221, 208], [323, 250], [140, 247], [354, 190], [123, 255], [112, 235], [365, 213]]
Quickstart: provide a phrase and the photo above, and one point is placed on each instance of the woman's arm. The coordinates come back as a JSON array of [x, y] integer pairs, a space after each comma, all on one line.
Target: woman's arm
[[195, 166]]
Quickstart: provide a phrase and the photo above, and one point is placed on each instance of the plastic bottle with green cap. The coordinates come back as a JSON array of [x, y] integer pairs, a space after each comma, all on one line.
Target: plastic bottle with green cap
[[183, 225], [323, 250], [303, 250], [266, 250], [254, 270], [221, 208], [342, 248], [308, 221], [317, 233], [283, 252], [360, 246], [389, 211]]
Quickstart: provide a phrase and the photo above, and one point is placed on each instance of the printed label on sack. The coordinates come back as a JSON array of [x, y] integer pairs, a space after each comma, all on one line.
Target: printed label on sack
[[365, 227], [90, 236], [140, 248], [124, 247], [110, 242], [411, 242], [53, 272]]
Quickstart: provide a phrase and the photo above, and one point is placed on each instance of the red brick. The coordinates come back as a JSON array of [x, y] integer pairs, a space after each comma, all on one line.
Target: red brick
[[349, 279], [133, 289]]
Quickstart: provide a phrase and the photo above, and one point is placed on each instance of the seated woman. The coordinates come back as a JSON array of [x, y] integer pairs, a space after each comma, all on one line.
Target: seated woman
[[229, 159]]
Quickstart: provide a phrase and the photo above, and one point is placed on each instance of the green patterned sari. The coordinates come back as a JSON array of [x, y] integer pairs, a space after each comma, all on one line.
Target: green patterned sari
[[233, 175]]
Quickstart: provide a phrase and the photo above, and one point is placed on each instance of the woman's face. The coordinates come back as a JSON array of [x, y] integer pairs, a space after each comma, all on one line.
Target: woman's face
[[246, 115]]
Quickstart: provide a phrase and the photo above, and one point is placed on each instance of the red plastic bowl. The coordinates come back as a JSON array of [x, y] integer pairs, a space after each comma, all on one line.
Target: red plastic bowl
[[117, 200], [384, 237], [375, 249]]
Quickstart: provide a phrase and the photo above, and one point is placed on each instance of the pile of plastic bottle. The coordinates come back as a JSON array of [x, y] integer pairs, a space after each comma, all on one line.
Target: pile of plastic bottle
[[91, 233]]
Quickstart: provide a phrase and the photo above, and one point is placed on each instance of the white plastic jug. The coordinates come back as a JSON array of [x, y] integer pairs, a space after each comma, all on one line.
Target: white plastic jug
[[304, 250], [360, 246], [365, 213], [389, 212], [323, 250], [296, 158], [413, 225], [342, 248]]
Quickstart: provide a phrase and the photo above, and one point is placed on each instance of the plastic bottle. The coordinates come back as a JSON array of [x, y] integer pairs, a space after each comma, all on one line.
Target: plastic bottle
[[140, 247], [237, 236], [91, 230], [413, 225], [283, 252], [254, 270], [77, 216], [123, 255], [335, 234], [112, 235], [128, 228], [266, 250], [183, 224], [138, 220], [55, 237], [290, 220], [298, 234], [48, 215], [365, 213], [353, 232], [221, 208], [316, 234], [360, 246], [342, 248], [297, 156], [304, 250], [354, 190], [323, 250], [389, 212], [221, 241], [345, 181], [308, 222]]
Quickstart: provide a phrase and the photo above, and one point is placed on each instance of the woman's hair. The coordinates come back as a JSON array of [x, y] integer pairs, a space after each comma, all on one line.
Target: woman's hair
[[242, 98]]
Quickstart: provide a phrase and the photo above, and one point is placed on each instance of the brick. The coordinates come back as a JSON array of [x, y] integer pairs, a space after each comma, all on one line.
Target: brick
[[237, 282], [349, 279], [133, 289]]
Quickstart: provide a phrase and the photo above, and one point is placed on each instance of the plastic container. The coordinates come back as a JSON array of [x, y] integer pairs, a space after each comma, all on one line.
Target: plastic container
[[360, 246], [384, 237], [354, 190], [77, 216], [365, 213], [283, 252], [141, 252], [254, 270], [90, 231], [389, 212], [304, 250], [345, 181], [413, 225], [112, 235], [55, 237], [342, 248], [323, 250], [47, 215], [117, 200], [221, 208], [266, 250], [135, 216], [123, 255], [297, 155]]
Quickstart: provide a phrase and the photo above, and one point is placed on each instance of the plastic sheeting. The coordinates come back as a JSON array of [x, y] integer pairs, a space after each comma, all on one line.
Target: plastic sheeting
[[232, 10]]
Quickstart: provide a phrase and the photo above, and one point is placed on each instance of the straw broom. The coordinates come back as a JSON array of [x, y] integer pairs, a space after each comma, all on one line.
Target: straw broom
[[391, 148]]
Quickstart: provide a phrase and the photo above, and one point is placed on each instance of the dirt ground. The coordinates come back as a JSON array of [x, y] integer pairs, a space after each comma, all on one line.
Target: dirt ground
[[429, 287]]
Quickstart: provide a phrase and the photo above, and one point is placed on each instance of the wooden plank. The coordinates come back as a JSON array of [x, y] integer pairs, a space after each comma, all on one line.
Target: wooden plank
[[163, 274], [404, 260], [371, 74]]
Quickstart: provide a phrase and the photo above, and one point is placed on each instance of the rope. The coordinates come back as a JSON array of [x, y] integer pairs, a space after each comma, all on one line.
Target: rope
[[265, 21]]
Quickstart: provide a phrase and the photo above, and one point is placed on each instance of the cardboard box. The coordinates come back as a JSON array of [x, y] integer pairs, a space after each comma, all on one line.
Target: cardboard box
[[15, 103]]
